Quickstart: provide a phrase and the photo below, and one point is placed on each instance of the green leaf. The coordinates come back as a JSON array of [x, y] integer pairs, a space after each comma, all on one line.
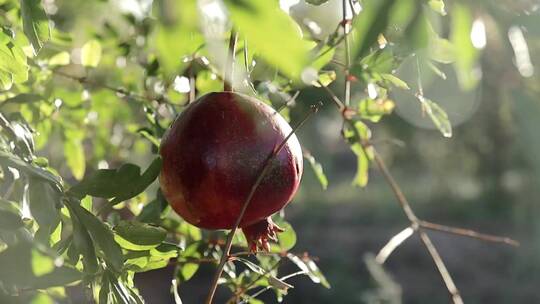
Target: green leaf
[[6, 80], [316, 2], [355, 134], [13, 161], [325, 77], [60, 276], [177, 35], [101, 235], [207, 82], [281, 34], [436, 70], [74, 152], [91, 53], [438, 116], [395, 81], [318, 170], [121, 184], [62, 58], [82, 243], [465, 53], [35, 23], [254, 267], [287, 238], [441, 50], [41, 264], [9, 62], [155, 258], [374, 110], [10, 216], [417, 32], [323, 56], [380, 61], [42, 298], [188, 270], [151, 212], [139, 236], [190, 231], [44, 204], [437, 6], [310, 268], [16, 263], [24, 98], [372, 21], [279, 284]]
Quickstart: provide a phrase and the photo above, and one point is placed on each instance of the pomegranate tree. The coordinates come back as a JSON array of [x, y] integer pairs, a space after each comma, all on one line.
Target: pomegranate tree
[[213, 155]]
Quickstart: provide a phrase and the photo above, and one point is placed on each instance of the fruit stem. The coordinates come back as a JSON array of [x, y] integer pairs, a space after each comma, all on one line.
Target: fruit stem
[[227, 250], [228, 73]]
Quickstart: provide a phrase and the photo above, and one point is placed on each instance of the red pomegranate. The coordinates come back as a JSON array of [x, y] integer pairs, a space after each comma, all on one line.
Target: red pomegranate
[[212, 156]]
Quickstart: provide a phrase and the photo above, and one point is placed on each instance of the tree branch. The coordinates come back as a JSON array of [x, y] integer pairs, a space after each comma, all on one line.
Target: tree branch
[[415, 224]]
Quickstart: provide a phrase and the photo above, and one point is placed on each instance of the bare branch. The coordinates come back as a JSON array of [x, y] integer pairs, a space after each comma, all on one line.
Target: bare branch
[[402, 200], [445, 275], [394, 242], [469, 233]]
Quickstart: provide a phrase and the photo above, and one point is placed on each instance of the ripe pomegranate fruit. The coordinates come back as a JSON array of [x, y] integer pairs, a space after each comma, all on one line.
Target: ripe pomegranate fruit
[[212, 156]]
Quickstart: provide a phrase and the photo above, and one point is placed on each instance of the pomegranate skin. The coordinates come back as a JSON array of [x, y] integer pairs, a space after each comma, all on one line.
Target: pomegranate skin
[[212, 156]]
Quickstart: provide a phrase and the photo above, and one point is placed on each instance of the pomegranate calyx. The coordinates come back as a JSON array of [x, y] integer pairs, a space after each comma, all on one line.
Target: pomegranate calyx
[[258, 234]]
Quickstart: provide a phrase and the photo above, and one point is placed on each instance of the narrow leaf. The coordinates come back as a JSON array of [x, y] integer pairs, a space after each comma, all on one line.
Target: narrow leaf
[[139, 236], [101, 235], [44, 202], [438, 116], [318, 170], [35, 23]]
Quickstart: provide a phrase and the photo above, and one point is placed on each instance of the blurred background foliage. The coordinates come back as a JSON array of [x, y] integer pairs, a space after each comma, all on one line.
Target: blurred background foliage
[[87, 89]]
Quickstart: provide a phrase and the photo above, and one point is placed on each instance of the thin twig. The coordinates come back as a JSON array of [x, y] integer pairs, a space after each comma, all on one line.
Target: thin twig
[[447, 278], [402, 200], [283, 278], [335, 99], [249, 253], [289, 101], [226, 251], [469, 233], [228, 73], [244, 289], [120, 91], [246, 58], [345, 23]]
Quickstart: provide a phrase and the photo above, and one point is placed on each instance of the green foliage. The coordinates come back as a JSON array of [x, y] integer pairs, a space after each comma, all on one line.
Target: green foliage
[[281, 36], [84, 105], [91, 53]]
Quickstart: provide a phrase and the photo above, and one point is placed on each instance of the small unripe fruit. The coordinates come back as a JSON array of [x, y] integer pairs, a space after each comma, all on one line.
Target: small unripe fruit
[[212, 156]]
